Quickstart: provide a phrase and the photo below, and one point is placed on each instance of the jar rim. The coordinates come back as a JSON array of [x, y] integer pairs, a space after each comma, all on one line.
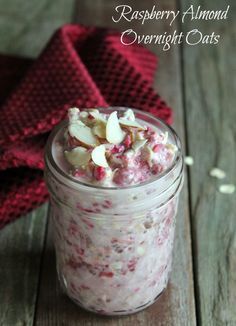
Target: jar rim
[[49, 159]]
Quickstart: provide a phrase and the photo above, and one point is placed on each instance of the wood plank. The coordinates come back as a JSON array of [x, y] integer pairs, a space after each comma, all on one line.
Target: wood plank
[[21, 246], [176, 306], [25, 28], [211, 115]]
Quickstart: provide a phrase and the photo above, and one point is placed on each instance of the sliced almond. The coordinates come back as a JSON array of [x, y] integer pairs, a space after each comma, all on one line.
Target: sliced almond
[[78, 156], [83, 115], [80, 123], [99, 130], [84, 118], [138, 144], [140, 135], [99, 157], [73, 114], [97, 116], [129, 115], [132, 133], [93, 110], [114, 133], [130, 123], [83, 134]]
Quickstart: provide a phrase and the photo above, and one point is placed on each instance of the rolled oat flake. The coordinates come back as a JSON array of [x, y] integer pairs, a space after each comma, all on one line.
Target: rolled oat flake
[[227, 189], [217, 173]]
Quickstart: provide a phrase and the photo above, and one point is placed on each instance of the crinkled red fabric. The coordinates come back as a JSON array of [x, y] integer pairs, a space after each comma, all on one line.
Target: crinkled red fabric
[[81, 66]]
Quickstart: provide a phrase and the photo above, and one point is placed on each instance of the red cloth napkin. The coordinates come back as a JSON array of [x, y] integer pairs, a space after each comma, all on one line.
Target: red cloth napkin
[[81, 66]]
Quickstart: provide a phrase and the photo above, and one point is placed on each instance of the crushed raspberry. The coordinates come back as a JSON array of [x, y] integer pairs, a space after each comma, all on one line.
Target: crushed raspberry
[[106, 274], [149, 132], [95, 204], [72, 142], [78, 173], [156, 148], [127, 142], [72, 229], [107, 204], [88, 223], [85, 287], [117, 149], [132, 264], [73, 264], [156, 169], [88, 210], [79, 250], [90, 117], [99, 173]]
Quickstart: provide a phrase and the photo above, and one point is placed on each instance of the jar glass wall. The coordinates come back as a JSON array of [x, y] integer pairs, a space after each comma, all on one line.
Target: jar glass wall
[[114, 245]]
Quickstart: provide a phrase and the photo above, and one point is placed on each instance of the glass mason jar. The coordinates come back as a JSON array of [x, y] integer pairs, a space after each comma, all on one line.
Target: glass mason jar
[[114, 245]]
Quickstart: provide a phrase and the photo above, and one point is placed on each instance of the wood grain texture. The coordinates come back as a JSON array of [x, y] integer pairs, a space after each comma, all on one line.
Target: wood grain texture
[[21, 246], [24, 29], [210, 88], [27, 25], [176, 306]]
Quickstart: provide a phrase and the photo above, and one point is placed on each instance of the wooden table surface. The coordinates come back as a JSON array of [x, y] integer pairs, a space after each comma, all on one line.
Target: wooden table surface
[[199, 83]]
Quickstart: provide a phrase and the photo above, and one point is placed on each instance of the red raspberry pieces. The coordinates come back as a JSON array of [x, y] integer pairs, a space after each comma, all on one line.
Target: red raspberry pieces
[[72, 142], [128, 141], [79, 173], [158, 148], [99, 173], [132, 264], [106, 274], [117, 149], [90, 117]]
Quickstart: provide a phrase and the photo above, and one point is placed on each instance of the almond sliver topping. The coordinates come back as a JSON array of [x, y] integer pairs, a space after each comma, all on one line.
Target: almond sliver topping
[[73, 114], [129, 115], [78, 156], [83, 134], [138, 144], [130, 123], [97, 116], [114, 133], [99, 157], [99, 130]]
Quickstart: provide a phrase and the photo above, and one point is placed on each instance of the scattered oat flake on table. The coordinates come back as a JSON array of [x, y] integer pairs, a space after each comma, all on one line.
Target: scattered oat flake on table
[[188, 160], [227, 189], [217, 173]]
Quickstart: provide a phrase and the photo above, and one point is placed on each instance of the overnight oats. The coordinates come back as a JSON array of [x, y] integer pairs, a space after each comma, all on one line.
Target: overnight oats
[[114, 177]]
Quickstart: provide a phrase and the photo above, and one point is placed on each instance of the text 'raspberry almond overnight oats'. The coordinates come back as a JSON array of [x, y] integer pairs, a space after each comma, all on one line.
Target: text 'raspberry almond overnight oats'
[[114, 177]]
